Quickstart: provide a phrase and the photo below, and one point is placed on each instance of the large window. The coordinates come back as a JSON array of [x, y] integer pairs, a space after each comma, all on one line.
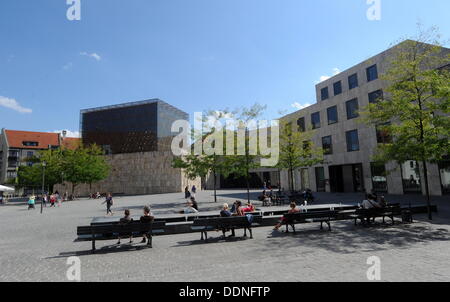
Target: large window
[[411, 177], [327, 145], [383, 136], [301, 124], [353, 81], [372, 73], [324, 93], [337, 88], [332, 115], [375, 96], [320, 179], [352, 108], [352, 140], [444, 171], [315, 120], [379, 180]]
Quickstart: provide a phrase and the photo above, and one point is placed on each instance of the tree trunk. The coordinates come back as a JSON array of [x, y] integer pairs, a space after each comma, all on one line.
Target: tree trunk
[[215, 191], [248, 188], [427, 190]]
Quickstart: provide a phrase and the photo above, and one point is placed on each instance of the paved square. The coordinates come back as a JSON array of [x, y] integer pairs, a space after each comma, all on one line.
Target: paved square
[[35, 247]]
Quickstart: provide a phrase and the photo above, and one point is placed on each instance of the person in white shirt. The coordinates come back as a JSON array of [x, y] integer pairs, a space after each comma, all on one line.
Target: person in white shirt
[[370, 203]]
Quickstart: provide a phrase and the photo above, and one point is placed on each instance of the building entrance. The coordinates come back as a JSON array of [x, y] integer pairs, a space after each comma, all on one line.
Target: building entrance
[[346, 178]]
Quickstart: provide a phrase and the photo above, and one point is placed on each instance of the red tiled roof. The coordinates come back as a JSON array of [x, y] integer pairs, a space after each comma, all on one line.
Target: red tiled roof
[[71, 143], [16, 139]]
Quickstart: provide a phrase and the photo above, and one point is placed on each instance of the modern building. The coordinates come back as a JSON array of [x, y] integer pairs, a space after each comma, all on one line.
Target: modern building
[[349, 144], [136, 138]]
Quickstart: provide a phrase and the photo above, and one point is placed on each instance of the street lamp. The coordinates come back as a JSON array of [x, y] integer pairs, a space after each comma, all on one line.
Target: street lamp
[[44, 164]]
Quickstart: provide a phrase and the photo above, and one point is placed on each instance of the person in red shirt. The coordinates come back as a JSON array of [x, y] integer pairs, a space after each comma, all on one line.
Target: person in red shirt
[[292, 209], [249, 208]]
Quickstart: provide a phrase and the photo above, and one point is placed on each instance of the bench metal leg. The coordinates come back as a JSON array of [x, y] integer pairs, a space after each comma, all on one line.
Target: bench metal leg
[[321, 225], [202, 235], [251, 233], [245, 232], [93, 246], [329, 225], [206, 236]]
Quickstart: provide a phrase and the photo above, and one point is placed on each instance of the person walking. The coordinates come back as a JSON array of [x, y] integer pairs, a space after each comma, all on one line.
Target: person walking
[[109, 202], [52, 200], [31, 202], [187, 194], [194, 191], [44, 200]]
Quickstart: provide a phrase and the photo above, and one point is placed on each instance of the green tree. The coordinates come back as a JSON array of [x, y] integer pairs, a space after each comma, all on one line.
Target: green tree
[[32, 175], [85, 165], [296, 151], [415, 110], [241, 165]]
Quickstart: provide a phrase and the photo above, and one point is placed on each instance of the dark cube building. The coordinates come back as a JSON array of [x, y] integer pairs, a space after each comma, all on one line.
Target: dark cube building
[[131, 127]]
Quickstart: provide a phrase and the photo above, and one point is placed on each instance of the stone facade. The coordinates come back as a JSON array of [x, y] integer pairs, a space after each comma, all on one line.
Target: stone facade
[[138, 174]]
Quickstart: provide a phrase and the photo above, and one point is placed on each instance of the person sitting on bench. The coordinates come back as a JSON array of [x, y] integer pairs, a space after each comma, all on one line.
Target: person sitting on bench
[[249, 208], [225, 212], [370, 203], [238, 210], [292, 210], [189, 209], [147, 218], [126, 220]]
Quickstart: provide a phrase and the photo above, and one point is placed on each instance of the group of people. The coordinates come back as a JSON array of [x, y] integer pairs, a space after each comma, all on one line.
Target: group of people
[[54, 199], [236, 210], [372, 201], [147, 217], [188, 194]]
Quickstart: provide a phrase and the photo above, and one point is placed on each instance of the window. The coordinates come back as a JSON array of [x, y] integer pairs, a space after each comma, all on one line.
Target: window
[[327, 145], [379, 180], [383, 136], [352, 140], [353, 81], [352, 108], [30, 144], [411, 177], [11, 174], [332, 115], [337, 88], [375, 96], [301, 124], [324, 93], [372, 73], [315, 120], [30, 154], [320, 179], [307, 145]]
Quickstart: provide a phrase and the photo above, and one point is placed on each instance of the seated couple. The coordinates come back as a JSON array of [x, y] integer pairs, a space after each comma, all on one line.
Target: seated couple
[[146, 218]]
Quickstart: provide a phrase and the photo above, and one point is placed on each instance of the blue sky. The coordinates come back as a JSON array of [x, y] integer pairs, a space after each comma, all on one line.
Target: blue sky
[[194, 54]]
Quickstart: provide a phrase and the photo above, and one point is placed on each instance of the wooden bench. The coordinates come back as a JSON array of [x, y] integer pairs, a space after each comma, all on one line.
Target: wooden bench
[[368, 215], [309, 217], [225, 223], [114, 231]]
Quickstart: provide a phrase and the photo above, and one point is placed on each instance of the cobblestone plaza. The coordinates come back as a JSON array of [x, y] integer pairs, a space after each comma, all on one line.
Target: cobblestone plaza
[[36, 247]]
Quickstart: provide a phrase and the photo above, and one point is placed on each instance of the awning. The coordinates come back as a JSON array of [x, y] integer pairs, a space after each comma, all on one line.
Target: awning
[[6, 189]]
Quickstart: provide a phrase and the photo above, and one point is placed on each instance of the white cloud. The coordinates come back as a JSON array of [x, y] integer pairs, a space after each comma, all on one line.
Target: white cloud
[[69, 133], [68, 66], [91, 55], [326, 77], [13, 104], [299, 106]]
